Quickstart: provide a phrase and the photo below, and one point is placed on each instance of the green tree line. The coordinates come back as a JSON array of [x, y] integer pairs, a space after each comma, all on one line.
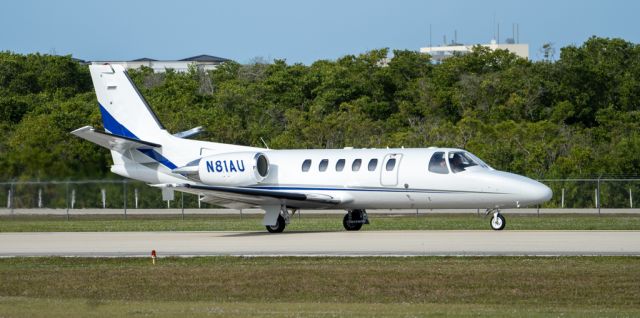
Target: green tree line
[[578, 116]]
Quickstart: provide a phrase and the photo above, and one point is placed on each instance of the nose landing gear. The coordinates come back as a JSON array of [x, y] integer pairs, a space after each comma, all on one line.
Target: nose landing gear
[[497, 221]]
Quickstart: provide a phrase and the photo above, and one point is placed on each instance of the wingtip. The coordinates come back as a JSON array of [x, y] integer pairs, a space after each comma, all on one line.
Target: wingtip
[[82, 129]]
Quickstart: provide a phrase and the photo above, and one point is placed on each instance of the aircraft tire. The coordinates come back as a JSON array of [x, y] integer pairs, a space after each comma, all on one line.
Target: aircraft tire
[[497, 222], [279, 227], [355, 216]]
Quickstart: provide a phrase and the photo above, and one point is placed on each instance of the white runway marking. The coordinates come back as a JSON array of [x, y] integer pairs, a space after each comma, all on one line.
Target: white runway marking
[[364, 243]]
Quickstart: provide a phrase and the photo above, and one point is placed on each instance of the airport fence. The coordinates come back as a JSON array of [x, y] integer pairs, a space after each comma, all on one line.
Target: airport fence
[[128, 194], [592, 193], [89, 194]]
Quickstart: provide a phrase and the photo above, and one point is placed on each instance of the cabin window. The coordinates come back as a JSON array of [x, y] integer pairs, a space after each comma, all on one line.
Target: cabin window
[[306, 165], [324, 163], [340, 165], [356, 165], [391, 163], [459, 161], [438, 164], [373, 163]]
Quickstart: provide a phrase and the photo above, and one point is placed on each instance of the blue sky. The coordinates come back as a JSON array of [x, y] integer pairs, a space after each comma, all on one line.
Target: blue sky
[[298, 31]]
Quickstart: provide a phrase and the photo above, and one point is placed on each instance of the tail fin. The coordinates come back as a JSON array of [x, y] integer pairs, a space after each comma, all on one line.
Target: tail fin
[[124, 111], [140, 146]]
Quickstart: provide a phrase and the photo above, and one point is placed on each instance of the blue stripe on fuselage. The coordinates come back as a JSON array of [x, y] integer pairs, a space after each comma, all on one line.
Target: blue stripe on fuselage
[[365, 189], [158, 157]]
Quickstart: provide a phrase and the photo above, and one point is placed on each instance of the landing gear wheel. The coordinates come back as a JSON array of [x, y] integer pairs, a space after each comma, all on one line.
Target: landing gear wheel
[[352, 222], [498, 222], [279, 227]]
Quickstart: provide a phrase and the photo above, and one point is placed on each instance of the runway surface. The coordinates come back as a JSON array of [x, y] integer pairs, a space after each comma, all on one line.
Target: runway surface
[[364, 243]]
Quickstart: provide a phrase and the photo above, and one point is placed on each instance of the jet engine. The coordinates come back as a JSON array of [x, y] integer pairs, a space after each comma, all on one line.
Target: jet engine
[[229, 169]]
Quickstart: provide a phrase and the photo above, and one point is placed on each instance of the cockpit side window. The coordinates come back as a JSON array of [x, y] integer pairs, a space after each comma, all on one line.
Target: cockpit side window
[[459, 161], [438, 164]]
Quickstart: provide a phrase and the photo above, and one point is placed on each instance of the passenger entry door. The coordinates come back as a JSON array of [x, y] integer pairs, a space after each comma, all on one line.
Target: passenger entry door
[[390, 168]]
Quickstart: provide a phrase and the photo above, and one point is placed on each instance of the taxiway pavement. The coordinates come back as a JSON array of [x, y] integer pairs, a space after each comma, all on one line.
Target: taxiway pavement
[[363, 243]]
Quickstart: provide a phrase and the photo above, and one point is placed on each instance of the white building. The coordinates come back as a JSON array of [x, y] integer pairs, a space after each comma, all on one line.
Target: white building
[[203, 62], [439, 53]]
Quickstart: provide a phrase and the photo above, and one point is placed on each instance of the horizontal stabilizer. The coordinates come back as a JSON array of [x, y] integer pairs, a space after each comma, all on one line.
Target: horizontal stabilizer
[[111, 141], [189, 133]]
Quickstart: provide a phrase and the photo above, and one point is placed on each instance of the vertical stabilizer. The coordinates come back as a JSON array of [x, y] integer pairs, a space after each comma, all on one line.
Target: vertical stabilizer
[[124, 111], [140, 146]]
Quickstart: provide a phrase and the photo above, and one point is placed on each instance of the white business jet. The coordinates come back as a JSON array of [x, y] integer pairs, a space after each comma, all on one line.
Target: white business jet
[[283, 181]]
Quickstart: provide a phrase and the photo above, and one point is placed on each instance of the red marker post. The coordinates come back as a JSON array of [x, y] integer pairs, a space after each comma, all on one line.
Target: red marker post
[[153, 256]]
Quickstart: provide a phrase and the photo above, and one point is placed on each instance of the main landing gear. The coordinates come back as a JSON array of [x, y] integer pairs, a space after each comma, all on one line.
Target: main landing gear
[[354, 219], [282, 221], [278, 227], [497, 221]]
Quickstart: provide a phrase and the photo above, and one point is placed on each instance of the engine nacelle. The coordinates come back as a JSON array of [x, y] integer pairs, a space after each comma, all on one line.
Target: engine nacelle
[[234, 169]]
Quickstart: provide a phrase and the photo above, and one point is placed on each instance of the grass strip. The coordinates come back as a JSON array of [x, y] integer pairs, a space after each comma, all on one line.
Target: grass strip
[[37, 307], [324, 286]]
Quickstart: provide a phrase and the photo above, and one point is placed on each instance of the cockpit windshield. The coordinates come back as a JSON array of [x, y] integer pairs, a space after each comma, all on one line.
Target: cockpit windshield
[[479, 161], [460, 160]]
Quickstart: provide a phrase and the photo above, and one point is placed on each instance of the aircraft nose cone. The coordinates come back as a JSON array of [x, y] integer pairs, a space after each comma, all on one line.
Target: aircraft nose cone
[[519, 190], [541, 193], [528, 191], [533, 192]]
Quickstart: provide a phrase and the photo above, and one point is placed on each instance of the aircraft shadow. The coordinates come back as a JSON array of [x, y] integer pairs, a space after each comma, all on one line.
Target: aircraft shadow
[[253, 234]]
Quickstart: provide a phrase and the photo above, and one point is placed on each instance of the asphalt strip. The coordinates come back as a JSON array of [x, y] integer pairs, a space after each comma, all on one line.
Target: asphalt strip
[[324, 244]]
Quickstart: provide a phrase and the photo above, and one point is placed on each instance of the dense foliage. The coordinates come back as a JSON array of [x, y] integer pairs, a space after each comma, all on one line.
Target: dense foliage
[[575, 117]]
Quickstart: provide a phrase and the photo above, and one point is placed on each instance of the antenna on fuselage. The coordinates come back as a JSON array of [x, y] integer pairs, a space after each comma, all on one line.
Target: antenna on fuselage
[[264, 143]]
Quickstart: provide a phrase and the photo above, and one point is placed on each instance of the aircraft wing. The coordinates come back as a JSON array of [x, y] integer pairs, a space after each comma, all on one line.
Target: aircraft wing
[[111, 141], [248, 196]]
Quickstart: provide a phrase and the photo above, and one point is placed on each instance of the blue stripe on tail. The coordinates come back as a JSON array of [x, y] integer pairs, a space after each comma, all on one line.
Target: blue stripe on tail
[[116, 128], [113, 126]]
